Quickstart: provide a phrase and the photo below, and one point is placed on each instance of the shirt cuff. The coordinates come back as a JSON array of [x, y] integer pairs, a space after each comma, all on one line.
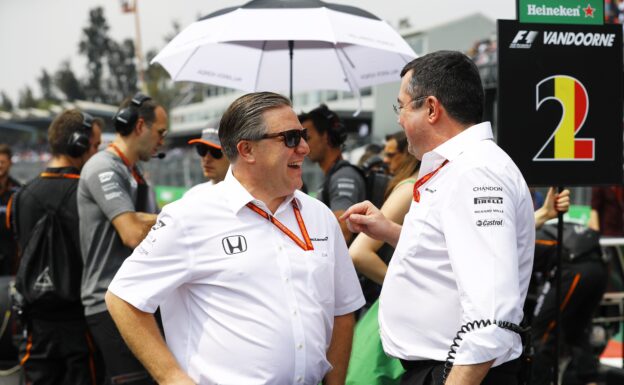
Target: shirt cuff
[[487, 344]]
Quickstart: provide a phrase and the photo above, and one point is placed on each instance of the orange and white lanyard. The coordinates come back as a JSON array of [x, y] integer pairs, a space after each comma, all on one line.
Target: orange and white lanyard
[[306, 244], [424, 180], [138, 177], [59, 175]]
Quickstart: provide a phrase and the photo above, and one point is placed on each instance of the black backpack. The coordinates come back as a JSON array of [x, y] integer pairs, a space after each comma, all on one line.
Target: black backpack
[[375, 182], [50, 270]]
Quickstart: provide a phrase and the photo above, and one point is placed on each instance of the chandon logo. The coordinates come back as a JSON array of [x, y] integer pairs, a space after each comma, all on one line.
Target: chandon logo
[[234, 244]]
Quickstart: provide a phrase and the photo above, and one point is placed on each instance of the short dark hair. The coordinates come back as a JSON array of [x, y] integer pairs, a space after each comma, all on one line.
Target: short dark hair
[[147, 110], [326, 121], [6, 150], [453, 79], [401, 140], [243, 119], [64, 126]]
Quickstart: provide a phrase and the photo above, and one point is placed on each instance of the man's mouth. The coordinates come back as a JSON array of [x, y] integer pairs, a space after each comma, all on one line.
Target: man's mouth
[[295, 165]]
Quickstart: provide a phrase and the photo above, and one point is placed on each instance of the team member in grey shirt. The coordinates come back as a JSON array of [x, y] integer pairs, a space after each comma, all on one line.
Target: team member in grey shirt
[[115, 215], [344, 186]]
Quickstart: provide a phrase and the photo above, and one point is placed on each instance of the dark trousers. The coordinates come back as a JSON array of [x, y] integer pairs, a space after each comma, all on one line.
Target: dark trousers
[[430, 372], [122, 367], [59, 352], [582, 287]]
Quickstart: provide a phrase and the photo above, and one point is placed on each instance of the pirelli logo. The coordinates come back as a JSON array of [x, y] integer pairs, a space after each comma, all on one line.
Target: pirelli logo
[[484, 200]]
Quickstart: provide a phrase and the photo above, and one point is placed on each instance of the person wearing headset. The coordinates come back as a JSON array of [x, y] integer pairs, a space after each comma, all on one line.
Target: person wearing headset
[[343, 185], [56, 349], [214, 164], [115, 215]]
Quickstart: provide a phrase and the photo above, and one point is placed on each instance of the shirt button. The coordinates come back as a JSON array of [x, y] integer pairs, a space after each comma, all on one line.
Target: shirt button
[[300, 346], [286, 279], [300, 379], [294, 312], [279, 248]]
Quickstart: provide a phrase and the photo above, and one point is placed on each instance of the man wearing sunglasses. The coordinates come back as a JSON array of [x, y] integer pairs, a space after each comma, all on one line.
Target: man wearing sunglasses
[[252, 276], [214, 164]]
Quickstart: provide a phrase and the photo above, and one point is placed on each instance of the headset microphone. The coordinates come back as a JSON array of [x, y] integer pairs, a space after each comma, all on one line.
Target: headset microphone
[[160, 155]]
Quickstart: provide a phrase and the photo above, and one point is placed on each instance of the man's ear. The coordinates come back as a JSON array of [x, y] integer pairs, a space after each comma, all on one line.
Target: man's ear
[[140, 126], [434, 109], [246, 151]]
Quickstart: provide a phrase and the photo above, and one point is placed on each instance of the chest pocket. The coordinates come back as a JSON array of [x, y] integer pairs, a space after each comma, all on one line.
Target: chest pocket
[[321, 274]]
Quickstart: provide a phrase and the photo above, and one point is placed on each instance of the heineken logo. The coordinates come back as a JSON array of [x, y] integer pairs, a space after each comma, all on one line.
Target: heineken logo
[[536, 10]]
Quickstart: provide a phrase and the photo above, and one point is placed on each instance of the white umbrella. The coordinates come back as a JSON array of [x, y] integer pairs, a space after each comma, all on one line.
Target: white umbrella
[[279, 45]]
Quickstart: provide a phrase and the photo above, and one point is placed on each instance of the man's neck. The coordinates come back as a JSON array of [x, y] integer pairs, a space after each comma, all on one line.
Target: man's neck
[[4, 183], [125, 147], [333, 156], [62, 161], [258, 190]]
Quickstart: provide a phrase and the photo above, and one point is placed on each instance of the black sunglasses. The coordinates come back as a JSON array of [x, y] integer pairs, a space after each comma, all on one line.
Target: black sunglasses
[[203, 149], [292, 138]]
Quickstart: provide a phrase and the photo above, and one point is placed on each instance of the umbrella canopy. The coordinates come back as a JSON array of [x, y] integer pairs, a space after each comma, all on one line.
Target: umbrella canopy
[[247, 48]]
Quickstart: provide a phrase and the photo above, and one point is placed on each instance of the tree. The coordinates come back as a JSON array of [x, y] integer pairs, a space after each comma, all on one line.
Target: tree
[[122, 80], [47, 87], [95, 44], [5, 102], [26, 98], [67, 83]]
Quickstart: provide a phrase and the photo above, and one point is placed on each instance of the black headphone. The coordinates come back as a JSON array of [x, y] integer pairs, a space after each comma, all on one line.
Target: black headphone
[[335, 129], [126, 118], [78, 142]]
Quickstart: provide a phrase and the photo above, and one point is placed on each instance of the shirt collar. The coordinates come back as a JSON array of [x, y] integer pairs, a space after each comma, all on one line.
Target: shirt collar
[[453, 147], [237, 196]]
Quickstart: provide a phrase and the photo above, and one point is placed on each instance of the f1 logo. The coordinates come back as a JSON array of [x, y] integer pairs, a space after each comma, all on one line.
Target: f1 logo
[[523, 39], [234, 244]]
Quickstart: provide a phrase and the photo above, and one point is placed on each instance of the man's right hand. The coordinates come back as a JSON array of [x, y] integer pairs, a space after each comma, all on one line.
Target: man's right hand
[[365, 218]]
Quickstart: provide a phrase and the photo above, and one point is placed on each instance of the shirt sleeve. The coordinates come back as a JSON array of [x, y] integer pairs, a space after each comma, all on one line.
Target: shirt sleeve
[[159, 265], [346, 188], [480, 226], [347, 290], [110, 190]]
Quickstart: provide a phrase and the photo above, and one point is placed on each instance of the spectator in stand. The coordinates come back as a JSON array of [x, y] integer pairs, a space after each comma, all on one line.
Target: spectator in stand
[[8, 187]]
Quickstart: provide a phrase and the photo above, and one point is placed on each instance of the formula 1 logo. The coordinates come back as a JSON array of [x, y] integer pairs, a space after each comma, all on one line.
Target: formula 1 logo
[[523, 39], [234, 245], [563, 144]]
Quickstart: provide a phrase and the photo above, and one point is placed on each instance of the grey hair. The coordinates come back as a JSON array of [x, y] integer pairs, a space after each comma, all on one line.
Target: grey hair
[[243, 120]]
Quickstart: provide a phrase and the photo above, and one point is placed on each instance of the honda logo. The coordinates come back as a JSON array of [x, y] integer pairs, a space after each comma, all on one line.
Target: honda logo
[[234, 244]]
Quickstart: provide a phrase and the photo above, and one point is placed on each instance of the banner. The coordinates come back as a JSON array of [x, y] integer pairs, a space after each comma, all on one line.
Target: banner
[[561, 11], [560, 102]]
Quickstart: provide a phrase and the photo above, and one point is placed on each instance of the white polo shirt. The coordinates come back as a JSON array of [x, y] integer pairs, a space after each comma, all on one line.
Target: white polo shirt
[[241, 302], [465, 253]]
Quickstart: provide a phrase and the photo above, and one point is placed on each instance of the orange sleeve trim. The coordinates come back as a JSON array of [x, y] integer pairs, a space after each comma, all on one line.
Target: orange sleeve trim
[[552, 324], [545, 242], [28, 348], [8, 211]]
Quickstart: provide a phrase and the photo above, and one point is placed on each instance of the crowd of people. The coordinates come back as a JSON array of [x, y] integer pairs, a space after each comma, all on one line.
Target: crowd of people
[[249, 280]]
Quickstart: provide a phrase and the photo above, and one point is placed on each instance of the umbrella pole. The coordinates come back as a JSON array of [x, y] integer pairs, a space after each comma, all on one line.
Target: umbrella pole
[[291, 46]]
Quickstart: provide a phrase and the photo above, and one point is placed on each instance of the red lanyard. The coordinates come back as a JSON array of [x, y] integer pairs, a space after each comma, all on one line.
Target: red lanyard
[[424, 180], [59, 175], [138, 177], [307, 245]]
